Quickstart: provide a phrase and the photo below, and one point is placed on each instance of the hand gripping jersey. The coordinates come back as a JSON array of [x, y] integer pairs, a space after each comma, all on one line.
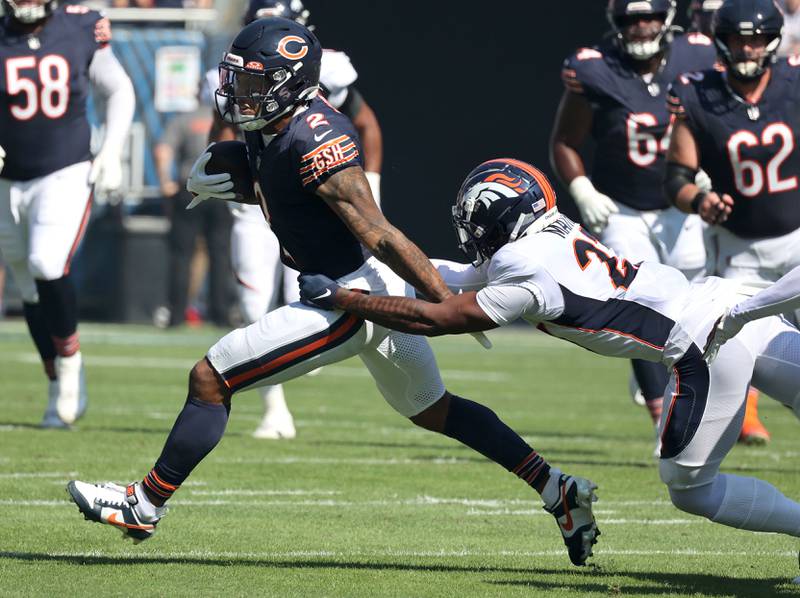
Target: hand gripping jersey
[[630, 119], [44, 84], [317, 143], [749, 151], [565, 282]]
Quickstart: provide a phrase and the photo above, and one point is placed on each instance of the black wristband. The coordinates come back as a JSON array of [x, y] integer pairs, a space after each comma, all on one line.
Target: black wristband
[[695, 205]]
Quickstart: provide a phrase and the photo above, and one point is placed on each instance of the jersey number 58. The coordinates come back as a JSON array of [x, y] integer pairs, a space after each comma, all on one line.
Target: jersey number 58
[[50, 93]]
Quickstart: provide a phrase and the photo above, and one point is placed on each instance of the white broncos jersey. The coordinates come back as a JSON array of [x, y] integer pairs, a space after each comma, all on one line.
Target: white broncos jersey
[[568, 284]]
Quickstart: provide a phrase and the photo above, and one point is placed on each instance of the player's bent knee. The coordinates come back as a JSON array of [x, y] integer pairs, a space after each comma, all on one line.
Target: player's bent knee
[[696, 501], [434, 416], [684, 477], [42, 267], [206, 385]]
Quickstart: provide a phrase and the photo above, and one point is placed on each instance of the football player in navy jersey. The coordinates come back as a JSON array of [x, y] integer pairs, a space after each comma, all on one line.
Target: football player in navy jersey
[[701, 14], [254, 249], [305, 159], [51, 56], [614, 94], [533, 264], [739, 126]]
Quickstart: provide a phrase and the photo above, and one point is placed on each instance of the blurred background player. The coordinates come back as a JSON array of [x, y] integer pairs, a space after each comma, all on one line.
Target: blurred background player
[[739, 126], [51, 56], [701, 15], [616, 93], [255, 252], [185, 138]]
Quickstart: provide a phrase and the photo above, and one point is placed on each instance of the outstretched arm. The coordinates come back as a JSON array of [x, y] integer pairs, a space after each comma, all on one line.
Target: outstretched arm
[[454, 315], [348, 195]]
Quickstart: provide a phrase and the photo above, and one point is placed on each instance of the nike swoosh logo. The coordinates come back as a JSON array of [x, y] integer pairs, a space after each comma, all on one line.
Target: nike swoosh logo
[[112, 519], [567, 525], [322, 136], [325, 294]]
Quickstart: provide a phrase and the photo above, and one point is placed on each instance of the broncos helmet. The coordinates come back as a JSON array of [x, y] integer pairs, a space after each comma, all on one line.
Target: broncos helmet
[[621, 12], [288, 9], [747, 18], [501, 200], [701, 15], [272, 67], [29, 13]]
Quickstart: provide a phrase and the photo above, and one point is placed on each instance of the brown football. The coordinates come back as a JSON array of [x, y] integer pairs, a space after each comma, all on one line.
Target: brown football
[[231, 157]]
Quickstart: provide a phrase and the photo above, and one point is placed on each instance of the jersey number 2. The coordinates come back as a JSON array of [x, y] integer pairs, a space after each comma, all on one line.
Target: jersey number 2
[[755, 173], [53, 97], [620, 271]]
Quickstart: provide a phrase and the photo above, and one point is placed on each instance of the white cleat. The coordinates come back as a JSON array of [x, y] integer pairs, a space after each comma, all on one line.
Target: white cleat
[[68, 403], [115, 505], [573, 514], [276, 428], [50, 418]]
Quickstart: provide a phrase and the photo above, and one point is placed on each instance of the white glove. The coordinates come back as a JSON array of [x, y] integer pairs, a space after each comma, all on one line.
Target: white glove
[[703, 181], [595, 208], [725, 328], [106, 171], [207, 186], [374, 180], [2, 158]]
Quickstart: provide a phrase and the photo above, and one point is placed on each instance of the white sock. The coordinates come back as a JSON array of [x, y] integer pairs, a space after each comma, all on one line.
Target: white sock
[[550, 494], [753, 504], [145, 509], [274, 401]]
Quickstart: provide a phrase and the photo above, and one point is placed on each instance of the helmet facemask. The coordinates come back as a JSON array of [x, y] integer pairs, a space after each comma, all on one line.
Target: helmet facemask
[[252, 98], [30, 12], [632, 34], [743, 64]]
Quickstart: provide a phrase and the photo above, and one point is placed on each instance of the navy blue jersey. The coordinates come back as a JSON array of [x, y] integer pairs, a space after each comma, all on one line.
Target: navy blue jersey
[[316, 144], [749, 151], [629, 116], [44, 85]]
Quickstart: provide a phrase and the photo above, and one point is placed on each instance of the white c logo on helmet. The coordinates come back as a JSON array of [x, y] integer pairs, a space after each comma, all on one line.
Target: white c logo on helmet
[[283, 47]]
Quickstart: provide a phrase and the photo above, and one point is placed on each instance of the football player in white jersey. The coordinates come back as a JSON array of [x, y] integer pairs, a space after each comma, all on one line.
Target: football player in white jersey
[[533, 263], [255, 252]]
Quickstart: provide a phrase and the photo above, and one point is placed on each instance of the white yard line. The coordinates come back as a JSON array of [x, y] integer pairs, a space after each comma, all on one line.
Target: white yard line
[[169, 363], [38, 474], [322, 554]]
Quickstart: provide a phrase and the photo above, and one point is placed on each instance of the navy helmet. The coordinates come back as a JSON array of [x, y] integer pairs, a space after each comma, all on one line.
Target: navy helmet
[[271, 68], [288, 9], [499, 201], [701, 14], [29, 13], [747, 18], [620, 13]]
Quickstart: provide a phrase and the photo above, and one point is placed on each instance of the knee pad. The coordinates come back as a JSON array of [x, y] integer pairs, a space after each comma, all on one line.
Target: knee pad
[[702, 500], [684, 477], [43, 267]]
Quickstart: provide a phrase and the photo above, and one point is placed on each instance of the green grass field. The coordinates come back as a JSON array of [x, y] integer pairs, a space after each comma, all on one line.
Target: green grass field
[[362, 503]]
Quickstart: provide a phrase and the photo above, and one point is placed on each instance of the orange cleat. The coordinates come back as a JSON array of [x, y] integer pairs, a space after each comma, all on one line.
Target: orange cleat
[[753, 431]]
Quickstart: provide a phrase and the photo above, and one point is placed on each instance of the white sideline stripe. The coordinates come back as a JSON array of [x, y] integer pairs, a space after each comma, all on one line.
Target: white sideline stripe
[[335, 461], [171, 363], [264, 492], [400, 553], [18, 475]]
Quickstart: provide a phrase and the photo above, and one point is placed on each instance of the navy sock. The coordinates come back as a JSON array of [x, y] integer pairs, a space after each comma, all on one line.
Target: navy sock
[[196, 432], [60, 308], [479, 428], [40, 334]]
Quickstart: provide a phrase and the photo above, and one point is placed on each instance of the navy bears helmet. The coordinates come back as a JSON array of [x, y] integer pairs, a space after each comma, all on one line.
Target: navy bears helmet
[[622, 14], [747, 18], [701, 15], [30, 12], [288, 9], [498, 203], [272, 66]]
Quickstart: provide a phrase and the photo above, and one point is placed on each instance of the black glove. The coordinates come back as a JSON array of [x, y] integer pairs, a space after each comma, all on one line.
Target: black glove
[[317, 290]]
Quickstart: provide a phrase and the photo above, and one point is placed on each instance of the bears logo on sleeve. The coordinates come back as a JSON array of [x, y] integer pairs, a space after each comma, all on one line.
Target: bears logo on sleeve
[[332, 154]]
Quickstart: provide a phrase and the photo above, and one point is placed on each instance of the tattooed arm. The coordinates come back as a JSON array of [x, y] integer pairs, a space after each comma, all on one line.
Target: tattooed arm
[[348, 195], [454, 315]]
